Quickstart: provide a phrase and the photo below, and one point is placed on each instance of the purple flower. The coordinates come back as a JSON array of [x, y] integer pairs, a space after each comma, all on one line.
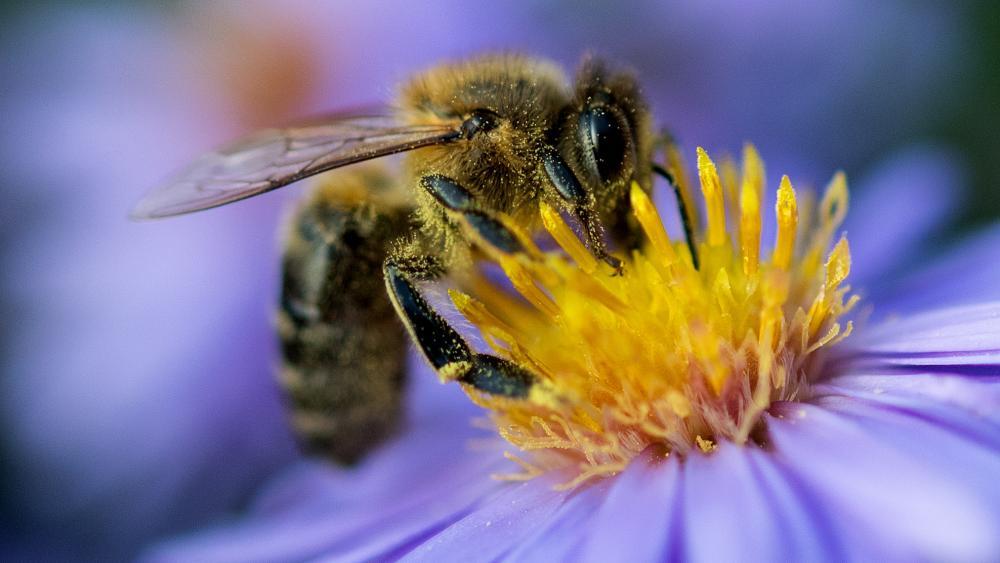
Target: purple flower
[[892, 455], [138, 397]]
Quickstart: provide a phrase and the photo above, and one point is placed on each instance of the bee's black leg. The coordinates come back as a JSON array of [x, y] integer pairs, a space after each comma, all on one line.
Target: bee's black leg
[[595, 237], [582, 203], [436, 339], [489, 229], [443, 347], [682, 210], [458, 202]]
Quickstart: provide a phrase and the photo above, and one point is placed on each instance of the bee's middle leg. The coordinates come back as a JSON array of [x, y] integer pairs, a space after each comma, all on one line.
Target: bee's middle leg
[[443, 347]]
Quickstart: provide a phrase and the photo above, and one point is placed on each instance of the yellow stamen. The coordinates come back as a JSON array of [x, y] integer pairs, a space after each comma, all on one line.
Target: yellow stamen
[[523, 283], [788, 217], [730, 177], [750, 228], [665, 355], [753, 170], [751, 192], [715, 205], [678, 167], [649, 218]]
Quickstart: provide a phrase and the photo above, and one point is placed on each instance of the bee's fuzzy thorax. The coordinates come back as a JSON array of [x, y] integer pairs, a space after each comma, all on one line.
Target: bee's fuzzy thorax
[[500, 167], [536, 107]]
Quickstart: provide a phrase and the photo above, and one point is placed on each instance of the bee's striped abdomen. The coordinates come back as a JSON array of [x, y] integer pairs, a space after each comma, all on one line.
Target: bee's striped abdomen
[[343, 347]]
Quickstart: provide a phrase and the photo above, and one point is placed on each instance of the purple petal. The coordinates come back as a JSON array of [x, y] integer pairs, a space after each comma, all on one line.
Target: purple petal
[[502, 521], [374, 509], [737, 504], [896, 207], [640, 519], [893, 486], [956, 340], [970, 405], [967, 273], [328, 522], [562, 537]]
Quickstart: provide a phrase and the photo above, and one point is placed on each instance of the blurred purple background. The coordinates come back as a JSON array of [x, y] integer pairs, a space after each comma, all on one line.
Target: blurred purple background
[[137, 394]]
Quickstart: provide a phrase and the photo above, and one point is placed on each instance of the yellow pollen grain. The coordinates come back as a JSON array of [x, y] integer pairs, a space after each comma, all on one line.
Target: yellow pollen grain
[[711, 189], [706, 446], [788, 217]]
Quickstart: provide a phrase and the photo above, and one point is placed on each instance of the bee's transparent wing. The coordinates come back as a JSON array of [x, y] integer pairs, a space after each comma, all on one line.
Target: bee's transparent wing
[[273, 158]]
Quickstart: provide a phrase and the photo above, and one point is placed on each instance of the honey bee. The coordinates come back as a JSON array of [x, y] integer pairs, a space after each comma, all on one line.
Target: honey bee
[[486, 140]]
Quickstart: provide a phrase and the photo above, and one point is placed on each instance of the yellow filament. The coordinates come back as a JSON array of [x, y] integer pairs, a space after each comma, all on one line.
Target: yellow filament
[[833, 207], [731, 186], [524, 285], [753, 170], [479, 315]]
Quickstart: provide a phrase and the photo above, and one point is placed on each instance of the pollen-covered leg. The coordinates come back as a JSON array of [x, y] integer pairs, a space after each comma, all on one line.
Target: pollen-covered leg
[[595, 237], [581, 205], [436, 339], [444, 347], [487, 230], [498, 376]]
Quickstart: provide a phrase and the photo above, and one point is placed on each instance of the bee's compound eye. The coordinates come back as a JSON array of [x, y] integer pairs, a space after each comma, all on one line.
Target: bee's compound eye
[[479, 121], [604, 135]]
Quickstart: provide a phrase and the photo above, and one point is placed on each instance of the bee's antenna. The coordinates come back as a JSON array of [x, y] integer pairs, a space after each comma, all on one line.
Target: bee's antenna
[[682, 209]]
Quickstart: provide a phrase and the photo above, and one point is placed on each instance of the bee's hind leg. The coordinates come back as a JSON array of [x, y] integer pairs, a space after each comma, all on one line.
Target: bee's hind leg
[[442, 346]]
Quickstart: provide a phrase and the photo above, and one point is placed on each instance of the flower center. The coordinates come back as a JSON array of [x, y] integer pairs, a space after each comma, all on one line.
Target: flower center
[[666, 354]]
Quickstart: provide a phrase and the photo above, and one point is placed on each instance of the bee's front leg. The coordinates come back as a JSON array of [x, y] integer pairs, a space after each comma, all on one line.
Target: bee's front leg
[[581, 204]]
